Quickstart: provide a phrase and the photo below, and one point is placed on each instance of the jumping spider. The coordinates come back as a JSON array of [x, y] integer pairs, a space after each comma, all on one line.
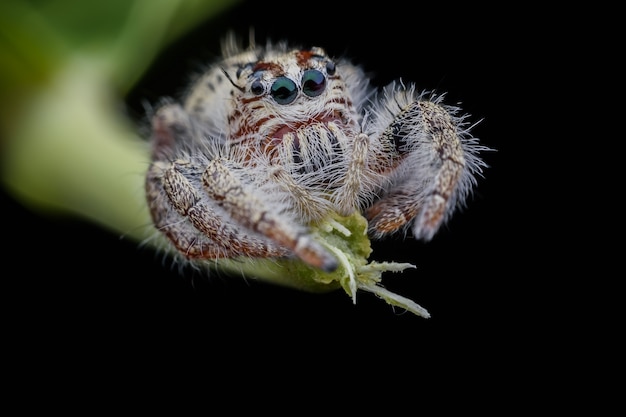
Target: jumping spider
[[272, 143]]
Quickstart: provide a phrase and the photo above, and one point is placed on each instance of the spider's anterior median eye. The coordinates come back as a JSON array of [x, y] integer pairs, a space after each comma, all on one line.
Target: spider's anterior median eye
[[284, 90], [313, 83]]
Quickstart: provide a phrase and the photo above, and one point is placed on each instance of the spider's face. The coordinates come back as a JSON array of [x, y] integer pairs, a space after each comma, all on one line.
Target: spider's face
[[291, 102], [297, 79]]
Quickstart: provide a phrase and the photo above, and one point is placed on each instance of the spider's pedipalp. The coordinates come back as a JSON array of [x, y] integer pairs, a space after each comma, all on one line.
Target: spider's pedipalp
[[350, 191]]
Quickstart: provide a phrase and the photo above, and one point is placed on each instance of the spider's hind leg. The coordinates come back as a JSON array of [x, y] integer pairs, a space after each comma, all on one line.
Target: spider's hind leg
[[436, 162]]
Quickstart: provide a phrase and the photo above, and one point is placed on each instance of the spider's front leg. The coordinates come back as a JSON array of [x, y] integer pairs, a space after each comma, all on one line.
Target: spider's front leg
[[248, 208], [434, 162], [208, 211], [177, 204]]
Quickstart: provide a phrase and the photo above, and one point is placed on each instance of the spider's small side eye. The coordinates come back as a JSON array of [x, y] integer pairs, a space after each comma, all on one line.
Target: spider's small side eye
[[243, 67], [331, 68], [313, 83], [257, 88], [284, 90]]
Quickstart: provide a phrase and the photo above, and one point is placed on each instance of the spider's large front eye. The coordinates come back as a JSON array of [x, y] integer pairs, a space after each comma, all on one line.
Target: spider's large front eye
[[313, 83], [284, 90]]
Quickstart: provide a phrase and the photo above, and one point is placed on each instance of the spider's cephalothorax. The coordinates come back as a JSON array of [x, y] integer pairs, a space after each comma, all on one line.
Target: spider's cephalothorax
[[271, 140]]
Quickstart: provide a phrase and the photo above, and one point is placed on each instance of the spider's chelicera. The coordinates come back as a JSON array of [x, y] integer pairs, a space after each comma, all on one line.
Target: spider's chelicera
[[273, 143]]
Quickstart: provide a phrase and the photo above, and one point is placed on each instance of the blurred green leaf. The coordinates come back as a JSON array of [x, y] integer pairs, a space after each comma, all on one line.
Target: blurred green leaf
[[38, 36], [65, 67]]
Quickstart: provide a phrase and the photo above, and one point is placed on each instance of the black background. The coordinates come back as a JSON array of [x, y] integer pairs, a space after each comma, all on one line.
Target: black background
[[98, 297]]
